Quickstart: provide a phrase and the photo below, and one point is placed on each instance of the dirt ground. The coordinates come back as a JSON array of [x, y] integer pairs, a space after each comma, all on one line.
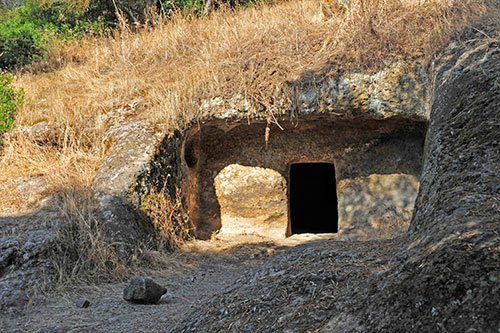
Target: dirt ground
[[291, 285]]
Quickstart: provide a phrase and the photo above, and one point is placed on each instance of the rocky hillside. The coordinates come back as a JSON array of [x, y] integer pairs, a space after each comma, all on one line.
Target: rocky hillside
[[92, 134]]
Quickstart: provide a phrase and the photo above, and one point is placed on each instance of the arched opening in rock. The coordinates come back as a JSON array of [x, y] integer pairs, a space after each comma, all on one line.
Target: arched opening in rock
[[313, 198], [252, 201]]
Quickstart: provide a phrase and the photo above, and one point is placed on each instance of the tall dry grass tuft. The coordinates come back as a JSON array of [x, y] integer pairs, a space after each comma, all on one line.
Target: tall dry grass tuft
[[81, 252], [169, 218], [169, 68]]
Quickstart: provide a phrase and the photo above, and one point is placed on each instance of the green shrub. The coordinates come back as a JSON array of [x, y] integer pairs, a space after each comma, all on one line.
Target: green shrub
[[61, 18], [20, 44], [26, 31], [188, 6], [10, 100]]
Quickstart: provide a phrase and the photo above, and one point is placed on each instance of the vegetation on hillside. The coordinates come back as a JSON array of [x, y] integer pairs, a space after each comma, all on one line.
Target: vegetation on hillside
[[10, 100], [27, 31], [34, 30]]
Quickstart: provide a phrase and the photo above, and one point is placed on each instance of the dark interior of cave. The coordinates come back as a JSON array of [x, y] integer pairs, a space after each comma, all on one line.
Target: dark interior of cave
[[313, 198]]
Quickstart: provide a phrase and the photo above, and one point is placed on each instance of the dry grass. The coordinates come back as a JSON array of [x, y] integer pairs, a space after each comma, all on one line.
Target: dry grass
[[81, 251], [170, 68], [169, 218]]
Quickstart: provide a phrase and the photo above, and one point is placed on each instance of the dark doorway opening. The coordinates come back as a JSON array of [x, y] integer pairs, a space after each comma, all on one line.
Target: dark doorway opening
[[313, 198]]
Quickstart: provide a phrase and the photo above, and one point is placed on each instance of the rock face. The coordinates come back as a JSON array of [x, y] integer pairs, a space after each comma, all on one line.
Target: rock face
[[143, 290], [443, 276], [26, 241], [253, 200], [399, 90], [356, 149], [133, 142], [447, 275], [23, 267], [128, 173], [9, 247], [376, 206], [36, 243], [82, 303], [42, 133], [142, 157]]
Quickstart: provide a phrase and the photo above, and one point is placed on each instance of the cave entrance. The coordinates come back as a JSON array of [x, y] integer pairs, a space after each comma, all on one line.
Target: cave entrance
[[313, 198]]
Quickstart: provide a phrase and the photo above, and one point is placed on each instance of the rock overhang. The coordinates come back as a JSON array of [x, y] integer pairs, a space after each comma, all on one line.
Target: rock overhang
[[400, 90]]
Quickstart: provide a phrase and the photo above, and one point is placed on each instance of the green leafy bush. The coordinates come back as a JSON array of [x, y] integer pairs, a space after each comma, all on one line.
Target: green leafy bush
[[62, 17], [10, 100], [20, 43], [26, 31], [187, 6]]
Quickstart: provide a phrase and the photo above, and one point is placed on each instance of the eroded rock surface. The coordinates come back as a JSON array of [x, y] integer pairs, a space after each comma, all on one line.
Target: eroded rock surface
[[142, 158], [444, 275], [9, 247], [399, 90], [447, 278], [25, 268], [376, 206]]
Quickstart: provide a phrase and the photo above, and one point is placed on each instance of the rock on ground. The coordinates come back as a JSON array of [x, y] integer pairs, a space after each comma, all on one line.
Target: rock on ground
[[143, 290]]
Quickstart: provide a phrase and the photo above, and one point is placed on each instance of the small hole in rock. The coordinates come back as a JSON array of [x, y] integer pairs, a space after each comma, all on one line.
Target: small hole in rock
[[190, 154]]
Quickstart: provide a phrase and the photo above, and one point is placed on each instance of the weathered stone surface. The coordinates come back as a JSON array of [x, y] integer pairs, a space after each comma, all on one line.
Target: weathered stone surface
[[132, 149], [143, 290], [132, 145], [54, 329], [243, 190], [12, 291], [356, 148], [376, 206], [399, 90], [29, 187], [443, 277], [252, 200], [396, 91], [33, 190], [24, 266], [447, 272], [42, 132], [9, 248], [142, 157], [36, 243], [19, 282], [460, 177], [82, 303]]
